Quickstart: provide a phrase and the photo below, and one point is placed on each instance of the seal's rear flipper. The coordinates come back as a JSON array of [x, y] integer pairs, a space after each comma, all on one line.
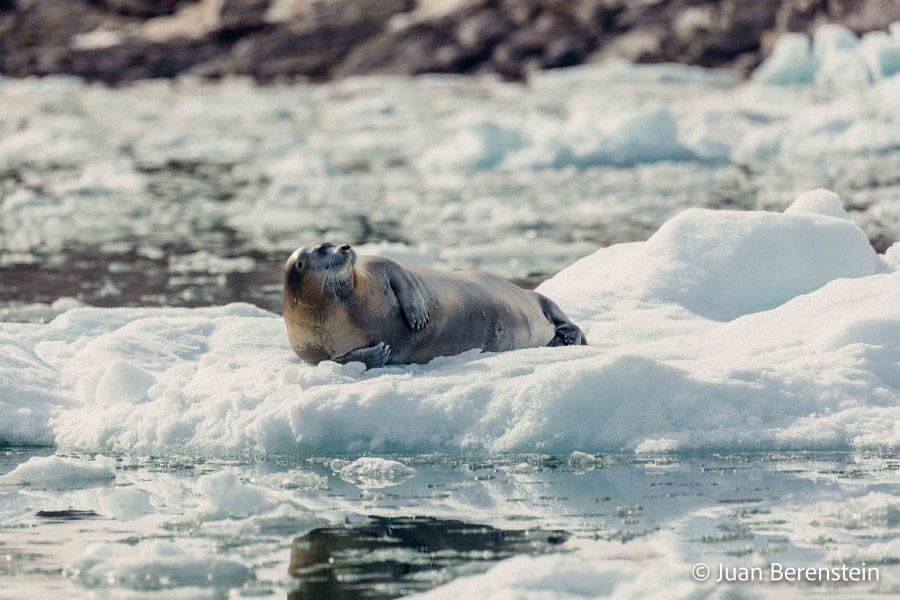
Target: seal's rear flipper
[[568, 334], [373, 356]]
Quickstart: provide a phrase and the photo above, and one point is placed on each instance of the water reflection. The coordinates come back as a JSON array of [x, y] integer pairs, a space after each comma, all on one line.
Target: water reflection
[[388, 557]]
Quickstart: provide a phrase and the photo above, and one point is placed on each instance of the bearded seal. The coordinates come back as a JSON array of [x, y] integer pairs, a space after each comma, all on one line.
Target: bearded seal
[[346, 307]]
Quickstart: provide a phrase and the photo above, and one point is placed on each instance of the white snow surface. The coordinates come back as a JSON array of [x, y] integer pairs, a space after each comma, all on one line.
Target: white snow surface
[[739, 330]]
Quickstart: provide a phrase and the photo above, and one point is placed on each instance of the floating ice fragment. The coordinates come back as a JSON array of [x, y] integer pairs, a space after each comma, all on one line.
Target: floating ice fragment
[[582, 461], [376, 472], [226, 496], [55, 472], [157, 565]]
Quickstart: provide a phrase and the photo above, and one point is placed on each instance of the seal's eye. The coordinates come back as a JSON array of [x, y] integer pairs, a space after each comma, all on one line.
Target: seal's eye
[[298, 265]]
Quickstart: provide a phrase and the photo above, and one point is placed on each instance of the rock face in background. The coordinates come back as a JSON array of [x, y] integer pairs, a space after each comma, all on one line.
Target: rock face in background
[[117, 41]]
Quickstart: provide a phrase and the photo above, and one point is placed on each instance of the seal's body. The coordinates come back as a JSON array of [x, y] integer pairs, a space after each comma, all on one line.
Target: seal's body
[[344, 307]]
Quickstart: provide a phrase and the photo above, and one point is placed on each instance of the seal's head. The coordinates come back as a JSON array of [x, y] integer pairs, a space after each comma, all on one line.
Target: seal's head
[[319, 274]]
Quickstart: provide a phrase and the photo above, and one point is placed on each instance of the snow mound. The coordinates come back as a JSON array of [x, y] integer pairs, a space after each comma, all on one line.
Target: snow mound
[[750, 261], [725, 264], [819, 202], [157, 566], [750, 330], [838, 59], [376, 472], [57, 472]]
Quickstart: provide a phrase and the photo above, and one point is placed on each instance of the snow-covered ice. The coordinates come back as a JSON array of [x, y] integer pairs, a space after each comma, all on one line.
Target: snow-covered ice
[[726, 329]]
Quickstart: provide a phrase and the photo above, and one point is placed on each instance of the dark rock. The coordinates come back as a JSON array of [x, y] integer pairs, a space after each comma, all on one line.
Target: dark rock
[[142, 8], [312, 47], [482, 31], [565, 52], [241, 15], [322, 39]]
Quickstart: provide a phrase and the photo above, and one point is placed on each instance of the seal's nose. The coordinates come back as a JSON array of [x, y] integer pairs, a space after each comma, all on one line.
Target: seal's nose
[[344, 248]]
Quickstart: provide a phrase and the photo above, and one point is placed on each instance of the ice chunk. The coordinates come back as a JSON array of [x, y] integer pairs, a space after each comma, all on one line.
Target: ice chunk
[[57, 472], [123, 383], [125, 504], [293, 479], [842, 69], [158, 565], [376, 472], [832, 37], [481, 144], [226, 496], [881, 54], [791, 62], [582, 461], [839, 61], [588, 139], [204, 261]]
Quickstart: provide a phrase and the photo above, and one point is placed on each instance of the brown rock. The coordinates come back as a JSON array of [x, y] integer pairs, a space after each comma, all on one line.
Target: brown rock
[[323, 39]]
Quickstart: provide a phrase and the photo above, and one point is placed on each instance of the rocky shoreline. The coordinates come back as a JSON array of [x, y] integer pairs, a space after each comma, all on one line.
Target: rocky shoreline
[[117, 41]]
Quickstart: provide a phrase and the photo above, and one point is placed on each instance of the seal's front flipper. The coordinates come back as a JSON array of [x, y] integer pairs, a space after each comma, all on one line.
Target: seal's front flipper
[[568, 334], [373, 356], [412, 295]]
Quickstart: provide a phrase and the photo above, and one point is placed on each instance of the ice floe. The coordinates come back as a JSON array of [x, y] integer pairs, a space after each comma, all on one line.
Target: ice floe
[[726, 329]]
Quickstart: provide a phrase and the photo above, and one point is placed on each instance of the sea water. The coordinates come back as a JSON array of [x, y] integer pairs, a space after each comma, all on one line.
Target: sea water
[[582, 525]]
